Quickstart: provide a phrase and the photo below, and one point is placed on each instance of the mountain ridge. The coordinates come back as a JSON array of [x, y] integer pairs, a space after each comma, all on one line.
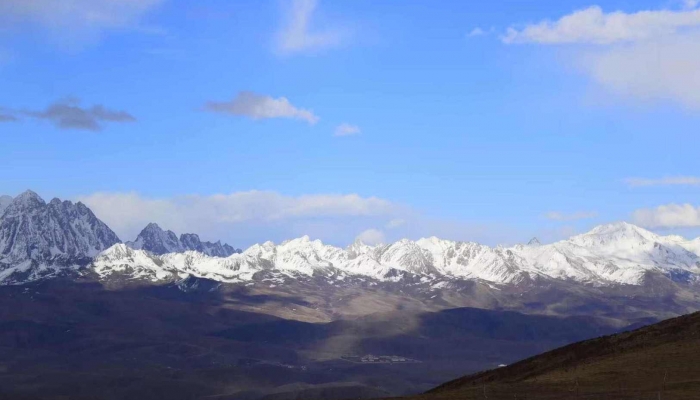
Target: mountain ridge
[[618, 253], [612, 254], [158, 241]]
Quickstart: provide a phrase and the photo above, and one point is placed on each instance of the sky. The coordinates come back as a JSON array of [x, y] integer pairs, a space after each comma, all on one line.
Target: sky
[[249, 121]]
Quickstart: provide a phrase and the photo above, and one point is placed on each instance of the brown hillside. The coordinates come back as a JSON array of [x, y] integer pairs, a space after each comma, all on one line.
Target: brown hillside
[[660, 361]]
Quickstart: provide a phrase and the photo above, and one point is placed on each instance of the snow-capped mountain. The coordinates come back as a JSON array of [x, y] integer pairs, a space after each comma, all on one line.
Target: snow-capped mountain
[[618, 253], [157, 241], [37, 238]]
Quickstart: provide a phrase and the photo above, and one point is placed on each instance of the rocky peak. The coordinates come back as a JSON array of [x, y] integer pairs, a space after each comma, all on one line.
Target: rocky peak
[[191, 241], [534, 242], [59, 234], [158, 241], [24, 202]]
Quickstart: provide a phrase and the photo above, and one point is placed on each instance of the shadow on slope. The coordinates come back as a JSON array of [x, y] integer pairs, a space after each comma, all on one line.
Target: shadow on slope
[[66, 339], [657, 361]]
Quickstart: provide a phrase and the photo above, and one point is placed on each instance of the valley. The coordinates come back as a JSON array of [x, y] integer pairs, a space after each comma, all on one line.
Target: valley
[[87, 316]]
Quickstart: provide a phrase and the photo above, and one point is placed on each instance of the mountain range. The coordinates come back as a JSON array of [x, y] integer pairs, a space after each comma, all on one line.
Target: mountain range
[[87, 315], [37, 239]]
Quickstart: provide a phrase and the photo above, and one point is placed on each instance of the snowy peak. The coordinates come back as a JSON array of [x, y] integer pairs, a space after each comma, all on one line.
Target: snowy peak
[[158, 241], [621, 231], [36, 236], [621, 235]]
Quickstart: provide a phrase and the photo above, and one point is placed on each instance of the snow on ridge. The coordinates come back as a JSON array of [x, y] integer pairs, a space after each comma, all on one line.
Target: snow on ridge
[[39, 239], [618, 253]]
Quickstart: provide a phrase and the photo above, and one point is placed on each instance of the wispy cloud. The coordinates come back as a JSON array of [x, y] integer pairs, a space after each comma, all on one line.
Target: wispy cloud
[[668, 216], [257, 106], [75, 21], [645, 55], [7, 116], [559, 216], [68, 114], [346, 130], [690, 4], [476, 32], [666, 181], [299, 33], [593, 26], [371, 237]]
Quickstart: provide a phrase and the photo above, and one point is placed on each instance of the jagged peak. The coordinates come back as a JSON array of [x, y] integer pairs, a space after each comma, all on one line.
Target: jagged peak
[[29, 196], [152, 226], [25, 201], [534, 242]]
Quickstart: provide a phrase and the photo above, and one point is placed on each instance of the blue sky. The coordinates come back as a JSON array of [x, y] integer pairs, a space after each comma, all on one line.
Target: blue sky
[[487, 121]]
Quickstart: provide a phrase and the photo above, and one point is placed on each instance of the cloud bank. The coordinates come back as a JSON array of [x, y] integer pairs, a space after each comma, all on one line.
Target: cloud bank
[[593, 26], [649, 55], [128, 213], [668, 216]]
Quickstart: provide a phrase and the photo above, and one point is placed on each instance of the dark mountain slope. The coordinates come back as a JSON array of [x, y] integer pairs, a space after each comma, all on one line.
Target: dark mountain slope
[[158, 241], [657, 361], [62, 338]]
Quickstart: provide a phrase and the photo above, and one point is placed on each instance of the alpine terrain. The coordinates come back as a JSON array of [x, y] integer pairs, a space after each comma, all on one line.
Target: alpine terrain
[[86, 315]]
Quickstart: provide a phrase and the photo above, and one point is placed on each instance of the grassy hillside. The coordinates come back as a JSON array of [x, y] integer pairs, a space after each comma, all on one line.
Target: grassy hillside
[[655, 362]]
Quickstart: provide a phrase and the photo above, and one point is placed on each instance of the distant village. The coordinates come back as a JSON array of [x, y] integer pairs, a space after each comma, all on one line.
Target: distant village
[[372, 359]]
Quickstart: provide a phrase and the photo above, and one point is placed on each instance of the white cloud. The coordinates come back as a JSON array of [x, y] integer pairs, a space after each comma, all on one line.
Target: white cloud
[[476, 32], [690, 4], [666, 181], [593, 26], [559, 216], [645, 55], [75, 20], [347, 130], [257, 106], [664, 70], [371, 237], [668, 216], [128, 213], [298, 35]]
